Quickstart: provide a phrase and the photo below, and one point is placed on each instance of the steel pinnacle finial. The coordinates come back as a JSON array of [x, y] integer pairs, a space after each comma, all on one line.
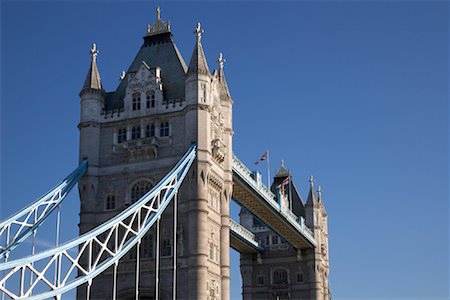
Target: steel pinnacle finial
[[198, 31], [311, 180], [158, 13], [221, 61], [94, 51]]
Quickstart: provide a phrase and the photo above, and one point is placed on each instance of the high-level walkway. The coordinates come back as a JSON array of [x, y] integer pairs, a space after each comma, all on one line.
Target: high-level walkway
[[260, 201], [242, 240]]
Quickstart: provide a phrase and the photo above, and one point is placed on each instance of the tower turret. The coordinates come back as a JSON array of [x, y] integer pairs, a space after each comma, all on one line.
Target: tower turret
[[198, 77], [317, 258], [92, 101], [198, 64], [209, 124], [92, 95], [325, 263]]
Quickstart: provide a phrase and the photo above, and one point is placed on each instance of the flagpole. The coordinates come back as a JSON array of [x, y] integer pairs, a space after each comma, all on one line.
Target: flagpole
[[268, 170], [290, 190]]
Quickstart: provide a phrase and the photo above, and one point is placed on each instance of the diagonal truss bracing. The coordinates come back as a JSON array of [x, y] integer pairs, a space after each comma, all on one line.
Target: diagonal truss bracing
[[21, 225], [95, 251]]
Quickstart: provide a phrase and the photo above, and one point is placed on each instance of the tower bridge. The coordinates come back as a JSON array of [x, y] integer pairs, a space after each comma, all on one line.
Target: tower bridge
[[154, 226]]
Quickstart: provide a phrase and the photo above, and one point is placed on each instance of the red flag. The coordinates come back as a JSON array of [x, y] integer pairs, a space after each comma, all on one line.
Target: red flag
[[263, 157], [285, 182]]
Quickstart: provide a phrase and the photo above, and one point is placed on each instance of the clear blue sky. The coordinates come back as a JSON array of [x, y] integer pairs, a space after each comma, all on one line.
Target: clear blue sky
[[354, 93]]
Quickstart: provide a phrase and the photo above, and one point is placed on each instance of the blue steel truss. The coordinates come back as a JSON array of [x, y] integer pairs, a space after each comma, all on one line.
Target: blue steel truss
[[21, 225], [95, 251]]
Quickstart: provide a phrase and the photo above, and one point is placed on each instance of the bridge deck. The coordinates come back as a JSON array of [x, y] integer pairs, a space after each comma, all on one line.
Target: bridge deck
[[260, 201], [242, 240]]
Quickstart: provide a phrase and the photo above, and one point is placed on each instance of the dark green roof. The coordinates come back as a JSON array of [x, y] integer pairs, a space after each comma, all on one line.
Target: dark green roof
[[157, 51]]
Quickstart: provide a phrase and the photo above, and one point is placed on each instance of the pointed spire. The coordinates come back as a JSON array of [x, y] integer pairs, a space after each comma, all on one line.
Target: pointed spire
[[198, 64], [93, 77], [224, 91], [312, 195]]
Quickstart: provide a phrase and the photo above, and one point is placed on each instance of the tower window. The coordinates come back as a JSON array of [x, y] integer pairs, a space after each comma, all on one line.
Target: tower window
[[136, 101], [147, 246], [136, 133], [211, 251], [111, 202], [150, 99], [267, 240], [203, 93], [121, 135], [280, 277], [166, 248], [150, 130], [133, 253], [274, 239], [260, 279], [139, 189], [299, 277], [164, 129]]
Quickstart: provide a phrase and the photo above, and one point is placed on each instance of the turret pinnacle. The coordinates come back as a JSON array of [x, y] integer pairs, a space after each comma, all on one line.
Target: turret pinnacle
[[198, 64], [224, 92], [319, 194], [159, 26], [93, 77], [282, 172], [312, 195], [319, 199]]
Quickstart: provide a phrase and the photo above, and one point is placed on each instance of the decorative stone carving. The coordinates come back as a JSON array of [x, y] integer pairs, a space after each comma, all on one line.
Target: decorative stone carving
[[218, 150], [145, 148]]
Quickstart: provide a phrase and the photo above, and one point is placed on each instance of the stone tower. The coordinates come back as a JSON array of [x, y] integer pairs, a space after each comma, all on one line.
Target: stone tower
[[133, 136], [281, 271]]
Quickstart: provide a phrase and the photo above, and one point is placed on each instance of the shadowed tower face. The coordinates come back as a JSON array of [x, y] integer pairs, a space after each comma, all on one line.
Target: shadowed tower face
[[133, 136], [282, 271]]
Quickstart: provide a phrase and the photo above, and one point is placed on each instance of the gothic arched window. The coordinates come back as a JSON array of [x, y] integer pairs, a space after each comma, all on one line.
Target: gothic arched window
[[151, 99], [211, 251], [274, 239], [299, 277], [260, 279], [135, 132], [147, 246], [111, 202], [136, 101], [150, 130], [164, 129], [139, 189], [166, 248], [121, 135], [280, 276]]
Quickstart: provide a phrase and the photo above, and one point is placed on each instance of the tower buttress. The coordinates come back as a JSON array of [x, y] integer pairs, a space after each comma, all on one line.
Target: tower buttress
[[209, 120]]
